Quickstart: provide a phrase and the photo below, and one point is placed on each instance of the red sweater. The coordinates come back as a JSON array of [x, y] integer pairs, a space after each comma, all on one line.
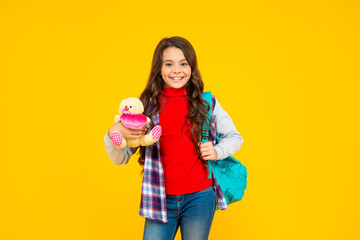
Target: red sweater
[[183, 169]]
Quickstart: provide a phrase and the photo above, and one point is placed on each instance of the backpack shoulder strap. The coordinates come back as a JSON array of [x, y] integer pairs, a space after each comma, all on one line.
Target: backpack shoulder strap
[[207, 97]]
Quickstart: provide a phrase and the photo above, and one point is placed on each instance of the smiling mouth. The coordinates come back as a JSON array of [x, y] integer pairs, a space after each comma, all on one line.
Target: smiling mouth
[[177, 78]]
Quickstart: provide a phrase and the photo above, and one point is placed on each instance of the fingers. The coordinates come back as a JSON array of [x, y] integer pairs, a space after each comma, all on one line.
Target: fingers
[[209, 156], [131, 136], [212, 157], [127, 132], [139, 131], [207, 151], [132, 133], [136, 133], [206, 146]]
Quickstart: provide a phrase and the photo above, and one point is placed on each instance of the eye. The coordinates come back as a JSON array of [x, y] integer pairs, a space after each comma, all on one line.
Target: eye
[[184, 64], [126, 106], [168, 64], [130, 106]]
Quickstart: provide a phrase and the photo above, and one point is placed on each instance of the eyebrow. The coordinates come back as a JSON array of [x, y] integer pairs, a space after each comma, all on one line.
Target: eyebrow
[[172, 60]]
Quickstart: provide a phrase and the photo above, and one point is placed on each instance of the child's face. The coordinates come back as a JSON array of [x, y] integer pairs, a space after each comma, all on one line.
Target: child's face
[[175, 70]]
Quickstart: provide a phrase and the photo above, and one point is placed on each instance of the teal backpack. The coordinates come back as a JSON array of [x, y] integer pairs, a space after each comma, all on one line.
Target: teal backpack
[[229, 172]]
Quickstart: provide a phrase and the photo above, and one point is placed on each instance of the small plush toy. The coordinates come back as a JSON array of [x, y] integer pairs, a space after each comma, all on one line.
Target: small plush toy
[[131, 116]]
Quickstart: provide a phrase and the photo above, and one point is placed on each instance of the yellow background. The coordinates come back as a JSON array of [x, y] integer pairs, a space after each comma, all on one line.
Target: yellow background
[[286, 71]]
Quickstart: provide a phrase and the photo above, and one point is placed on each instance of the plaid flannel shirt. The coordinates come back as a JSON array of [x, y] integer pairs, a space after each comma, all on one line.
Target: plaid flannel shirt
[[153, 196]]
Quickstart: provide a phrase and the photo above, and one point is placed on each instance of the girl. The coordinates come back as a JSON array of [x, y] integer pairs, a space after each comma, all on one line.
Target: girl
[[176, 190]]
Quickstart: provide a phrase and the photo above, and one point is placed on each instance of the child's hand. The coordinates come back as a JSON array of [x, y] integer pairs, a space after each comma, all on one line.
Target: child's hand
[[208, 151], [127, 132]]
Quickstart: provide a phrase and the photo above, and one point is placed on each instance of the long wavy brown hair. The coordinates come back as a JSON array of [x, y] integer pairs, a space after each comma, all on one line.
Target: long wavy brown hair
[[198, 108]]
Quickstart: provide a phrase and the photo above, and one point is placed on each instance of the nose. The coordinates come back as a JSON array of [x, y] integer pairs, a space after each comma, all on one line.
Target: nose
[[176, 69]]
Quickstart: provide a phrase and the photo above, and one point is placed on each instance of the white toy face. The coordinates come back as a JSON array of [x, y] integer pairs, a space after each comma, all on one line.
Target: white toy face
[[131, 105]]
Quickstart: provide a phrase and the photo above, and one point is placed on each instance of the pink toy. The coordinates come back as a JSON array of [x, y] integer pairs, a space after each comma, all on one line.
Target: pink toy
[[131, 116], [134, 121]]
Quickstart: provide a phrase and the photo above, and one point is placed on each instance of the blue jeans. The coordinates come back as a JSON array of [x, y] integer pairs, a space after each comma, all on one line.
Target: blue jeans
[[192, 212]]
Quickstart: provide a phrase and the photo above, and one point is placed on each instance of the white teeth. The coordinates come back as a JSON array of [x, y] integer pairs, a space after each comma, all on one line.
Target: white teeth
[[177, 78]]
